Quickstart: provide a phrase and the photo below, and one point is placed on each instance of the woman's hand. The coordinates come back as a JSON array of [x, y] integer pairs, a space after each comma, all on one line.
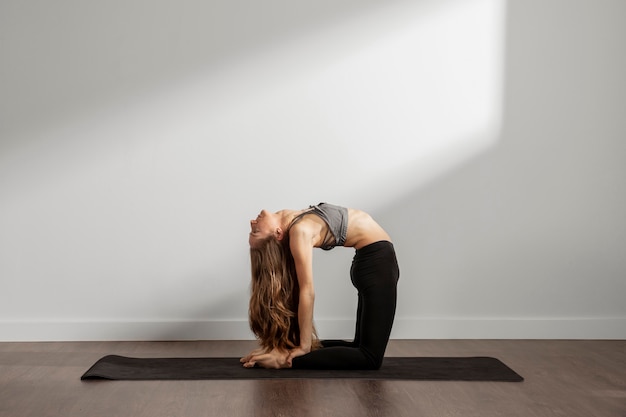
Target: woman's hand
[[274, 359], [295, 352], [255, 352]]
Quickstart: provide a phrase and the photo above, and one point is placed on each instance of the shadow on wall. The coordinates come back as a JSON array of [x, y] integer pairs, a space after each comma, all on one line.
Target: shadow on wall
[[487, 240]]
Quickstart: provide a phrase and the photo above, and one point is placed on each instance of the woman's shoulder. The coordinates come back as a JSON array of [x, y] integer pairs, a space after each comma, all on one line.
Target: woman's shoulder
[[305, 224], [306, 231]]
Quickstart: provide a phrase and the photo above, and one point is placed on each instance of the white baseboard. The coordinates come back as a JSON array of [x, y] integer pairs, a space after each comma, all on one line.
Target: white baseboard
[[423, 328], [613, 328]]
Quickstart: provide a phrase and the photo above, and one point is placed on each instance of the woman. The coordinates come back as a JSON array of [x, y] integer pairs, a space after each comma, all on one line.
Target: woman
[[281, 304]]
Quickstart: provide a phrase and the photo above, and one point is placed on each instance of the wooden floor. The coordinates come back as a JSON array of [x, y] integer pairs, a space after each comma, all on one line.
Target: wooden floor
[[562, 378]]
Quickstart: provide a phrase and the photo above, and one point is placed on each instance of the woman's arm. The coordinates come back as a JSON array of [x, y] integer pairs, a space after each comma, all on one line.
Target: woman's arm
[[302, 250]]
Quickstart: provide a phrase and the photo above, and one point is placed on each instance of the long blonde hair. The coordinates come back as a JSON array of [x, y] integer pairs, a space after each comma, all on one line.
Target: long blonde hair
[[274, 296]]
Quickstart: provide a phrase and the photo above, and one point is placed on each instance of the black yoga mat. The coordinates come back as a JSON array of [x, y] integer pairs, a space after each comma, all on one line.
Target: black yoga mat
[[393, 368]]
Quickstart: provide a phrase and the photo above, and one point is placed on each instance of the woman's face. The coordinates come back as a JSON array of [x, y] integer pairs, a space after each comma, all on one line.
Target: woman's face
[[263, 226]]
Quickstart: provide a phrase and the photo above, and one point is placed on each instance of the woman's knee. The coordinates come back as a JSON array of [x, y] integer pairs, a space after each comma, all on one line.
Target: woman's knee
[[373, 361]]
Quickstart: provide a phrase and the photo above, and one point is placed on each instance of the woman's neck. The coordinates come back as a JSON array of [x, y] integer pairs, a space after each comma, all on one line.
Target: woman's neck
[[287, 216]]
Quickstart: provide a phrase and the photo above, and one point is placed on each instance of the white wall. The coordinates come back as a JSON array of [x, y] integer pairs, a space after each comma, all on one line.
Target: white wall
[[137, 139]]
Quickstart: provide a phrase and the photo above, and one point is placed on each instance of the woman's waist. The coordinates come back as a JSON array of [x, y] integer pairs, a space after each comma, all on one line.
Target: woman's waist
[[375, 247]]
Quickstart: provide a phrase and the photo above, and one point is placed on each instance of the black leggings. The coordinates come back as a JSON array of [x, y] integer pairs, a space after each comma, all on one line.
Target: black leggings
[[375, 275]]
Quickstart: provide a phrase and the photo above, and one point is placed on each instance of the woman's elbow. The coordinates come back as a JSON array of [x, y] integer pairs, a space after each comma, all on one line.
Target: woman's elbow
[[307, 294]]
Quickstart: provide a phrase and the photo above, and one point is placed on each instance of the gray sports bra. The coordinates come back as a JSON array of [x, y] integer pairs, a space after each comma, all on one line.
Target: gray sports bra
[[336, 217]]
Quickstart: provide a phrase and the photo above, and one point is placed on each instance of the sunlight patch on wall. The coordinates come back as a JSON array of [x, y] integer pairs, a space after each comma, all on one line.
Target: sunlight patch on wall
[[419, 100]]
